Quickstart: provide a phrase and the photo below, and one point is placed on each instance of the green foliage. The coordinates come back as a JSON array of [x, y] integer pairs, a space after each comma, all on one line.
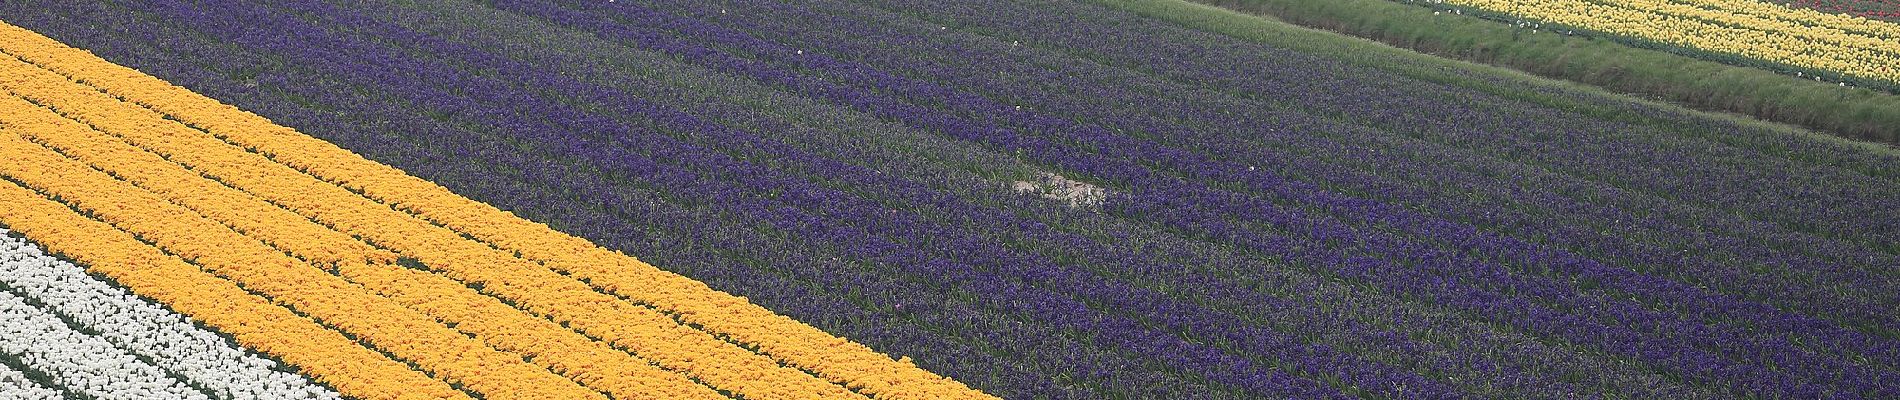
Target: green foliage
[[1851, 112]]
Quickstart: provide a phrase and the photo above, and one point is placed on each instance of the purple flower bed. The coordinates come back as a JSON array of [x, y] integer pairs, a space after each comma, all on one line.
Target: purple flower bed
[[1277, 224]]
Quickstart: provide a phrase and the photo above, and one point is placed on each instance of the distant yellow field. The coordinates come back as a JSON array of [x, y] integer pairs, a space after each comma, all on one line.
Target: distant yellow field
[[1848, 45]]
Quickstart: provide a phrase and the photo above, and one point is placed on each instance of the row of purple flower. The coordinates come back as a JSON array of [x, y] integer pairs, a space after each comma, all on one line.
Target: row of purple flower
[[1282, 224]]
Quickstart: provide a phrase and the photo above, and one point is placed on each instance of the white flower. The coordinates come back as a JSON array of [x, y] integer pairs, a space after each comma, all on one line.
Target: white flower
[[140, 327], [15, 386], [81, 363]]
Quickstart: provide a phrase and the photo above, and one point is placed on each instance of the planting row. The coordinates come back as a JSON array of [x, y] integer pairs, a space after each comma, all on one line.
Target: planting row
[[1888, 10], [672, 221], [310, 219], [83, 363], [1277, 223], [303, 288], [207, 362], [1853, 47], [323, 354], [938, 70], [16, 385]]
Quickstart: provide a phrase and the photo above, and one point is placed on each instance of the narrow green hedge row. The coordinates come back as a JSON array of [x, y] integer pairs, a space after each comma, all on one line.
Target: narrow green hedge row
[[1852, 112]]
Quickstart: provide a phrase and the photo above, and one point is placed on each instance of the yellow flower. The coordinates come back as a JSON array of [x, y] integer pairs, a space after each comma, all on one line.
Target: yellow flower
[[1849, 46]]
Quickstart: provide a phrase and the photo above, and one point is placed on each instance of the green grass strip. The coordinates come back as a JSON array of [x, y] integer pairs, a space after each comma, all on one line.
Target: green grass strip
[[1851, 112]]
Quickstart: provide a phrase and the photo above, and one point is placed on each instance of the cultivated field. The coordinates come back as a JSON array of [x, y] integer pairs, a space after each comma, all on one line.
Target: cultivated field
[[897, 199], [1888, 10]]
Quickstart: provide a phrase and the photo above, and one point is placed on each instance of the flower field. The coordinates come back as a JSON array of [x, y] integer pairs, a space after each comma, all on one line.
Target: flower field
[[1842, 46], [1888, 10], [900, 199], [205, 208]]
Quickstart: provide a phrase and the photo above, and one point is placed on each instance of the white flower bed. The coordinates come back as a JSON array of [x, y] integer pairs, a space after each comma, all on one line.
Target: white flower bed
[[146, 329], [15, 386], [82, 363]]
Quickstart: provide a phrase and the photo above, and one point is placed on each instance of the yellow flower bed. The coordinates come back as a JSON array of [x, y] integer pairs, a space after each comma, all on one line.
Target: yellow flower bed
[[1849, 46], [598, 292], [535, 288], [574, 356], [287, 216], [376, 321], [245, 213], [582, 359], [323, 354], [1844, 22]]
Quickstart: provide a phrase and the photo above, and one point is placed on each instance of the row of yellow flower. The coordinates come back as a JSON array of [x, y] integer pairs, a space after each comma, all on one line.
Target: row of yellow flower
[[1820, 35], [623, 324], [784, 339], [584, 360], [375, 320], [1722, 32], [241, 212], [591, 363], [1844, 22], [254, 322]]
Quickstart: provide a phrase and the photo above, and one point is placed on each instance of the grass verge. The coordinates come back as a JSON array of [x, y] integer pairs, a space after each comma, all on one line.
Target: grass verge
[[1851, 112]]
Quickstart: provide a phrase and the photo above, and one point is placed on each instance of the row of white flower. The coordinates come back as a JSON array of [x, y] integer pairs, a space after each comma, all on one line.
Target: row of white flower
[[15, 386], [148, 330], [81, 363]]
